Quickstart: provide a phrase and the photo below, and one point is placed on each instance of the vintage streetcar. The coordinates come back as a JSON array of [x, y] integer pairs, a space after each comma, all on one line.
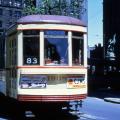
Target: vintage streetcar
[[46, 59]]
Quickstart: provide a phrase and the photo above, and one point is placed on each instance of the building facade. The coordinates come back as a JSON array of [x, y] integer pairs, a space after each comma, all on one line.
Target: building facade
[[10, 11], [111, 31]]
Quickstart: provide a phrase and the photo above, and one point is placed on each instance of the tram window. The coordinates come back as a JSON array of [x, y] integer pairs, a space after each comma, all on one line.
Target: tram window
[[56, 48], [77, 48], [31, 47]]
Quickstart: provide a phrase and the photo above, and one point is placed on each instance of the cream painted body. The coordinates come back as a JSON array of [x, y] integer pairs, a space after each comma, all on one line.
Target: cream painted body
[[57, 89]]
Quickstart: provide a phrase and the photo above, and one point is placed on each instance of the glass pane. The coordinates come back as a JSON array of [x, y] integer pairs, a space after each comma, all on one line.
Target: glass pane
[[31, 48], [77, 48], [56, 48]]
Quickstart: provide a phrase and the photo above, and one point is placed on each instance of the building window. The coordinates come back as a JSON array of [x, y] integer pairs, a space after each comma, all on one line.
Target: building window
[[0, 23], [10, 3], [1, 11], [5, 2], [31, 47], [10, 23], [0, 2], [1, 33], [18, 3], [14, 3], [18, 14], [10, 12]]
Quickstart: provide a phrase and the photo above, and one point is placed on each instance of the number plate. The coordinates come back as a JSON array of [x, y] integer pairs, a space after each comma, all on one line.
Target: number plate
[[75, 82]]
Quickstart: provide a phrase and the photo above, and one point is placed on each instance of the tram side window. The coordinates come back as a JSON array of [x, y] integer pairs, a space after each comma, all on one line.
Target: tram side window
[[77, 48], [31, 47], [56, 48]]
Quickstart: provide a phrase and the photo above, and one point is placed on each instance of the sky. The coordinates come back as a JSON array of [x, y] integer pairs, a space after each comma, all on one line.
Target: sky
[[95, 26]]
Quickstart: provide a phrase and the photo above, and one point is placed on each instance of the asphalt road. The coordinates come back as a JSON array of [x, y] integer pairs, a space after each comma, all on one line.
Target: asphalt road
[[98, 109], [91, 108]]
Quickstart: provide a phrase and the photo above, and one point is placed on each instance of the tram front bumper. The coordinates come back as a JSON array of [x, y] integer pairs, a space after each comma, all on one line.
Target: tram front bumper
[[51, 98]]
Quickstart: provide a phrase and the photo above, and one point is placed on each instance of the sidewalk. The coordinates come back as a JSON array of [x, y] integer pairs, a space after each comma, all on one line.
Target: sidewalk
[[107, 95], [112, 100], [112, 96]]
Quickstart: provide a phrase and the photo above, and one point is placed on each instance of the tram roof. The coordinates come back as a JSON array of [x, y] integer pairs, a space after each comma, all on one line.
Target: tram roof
[[57, 19]]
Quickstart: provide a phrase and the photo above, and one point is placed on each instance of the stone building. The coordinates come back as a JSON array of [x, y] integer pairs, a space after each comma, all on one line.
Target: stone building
[[10, 11]]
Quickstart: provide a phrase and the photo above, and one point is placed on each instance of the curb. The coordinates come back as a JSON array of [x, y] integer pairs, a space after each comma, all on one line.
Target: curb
[[112, 100]]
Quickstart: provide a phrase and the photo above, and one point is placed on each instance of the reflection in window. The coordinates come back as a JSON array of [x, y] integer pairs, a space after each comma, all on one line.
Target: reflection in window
[[77, 48], [31, 47], [56, 48]]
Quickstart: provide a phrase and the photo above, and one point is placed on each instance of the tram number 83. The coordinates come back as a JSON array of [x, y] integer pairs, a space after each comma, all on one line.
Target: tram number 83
[[32, 60]]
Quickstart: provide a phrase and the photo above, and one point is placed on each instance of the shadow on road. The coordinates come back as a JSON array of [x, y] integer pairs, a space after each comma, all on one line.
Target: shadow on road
[[103, 93], [11, 109]]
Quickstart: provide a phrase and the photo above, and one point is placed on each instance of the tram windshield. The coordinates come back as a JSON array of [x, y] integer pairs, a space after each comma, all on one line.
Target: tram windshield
[[77, 48], [56, 47], [31, 47]]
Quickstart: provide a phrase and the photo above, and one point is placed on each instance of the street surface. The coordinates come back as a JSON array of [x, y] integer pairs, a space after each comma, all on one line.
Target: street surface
[[95, 107], [91, 108]]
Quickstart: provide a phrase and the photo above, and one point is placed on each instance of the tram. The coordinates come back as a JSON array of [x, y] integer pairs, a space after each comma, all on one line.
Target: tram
[[46, 59]]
